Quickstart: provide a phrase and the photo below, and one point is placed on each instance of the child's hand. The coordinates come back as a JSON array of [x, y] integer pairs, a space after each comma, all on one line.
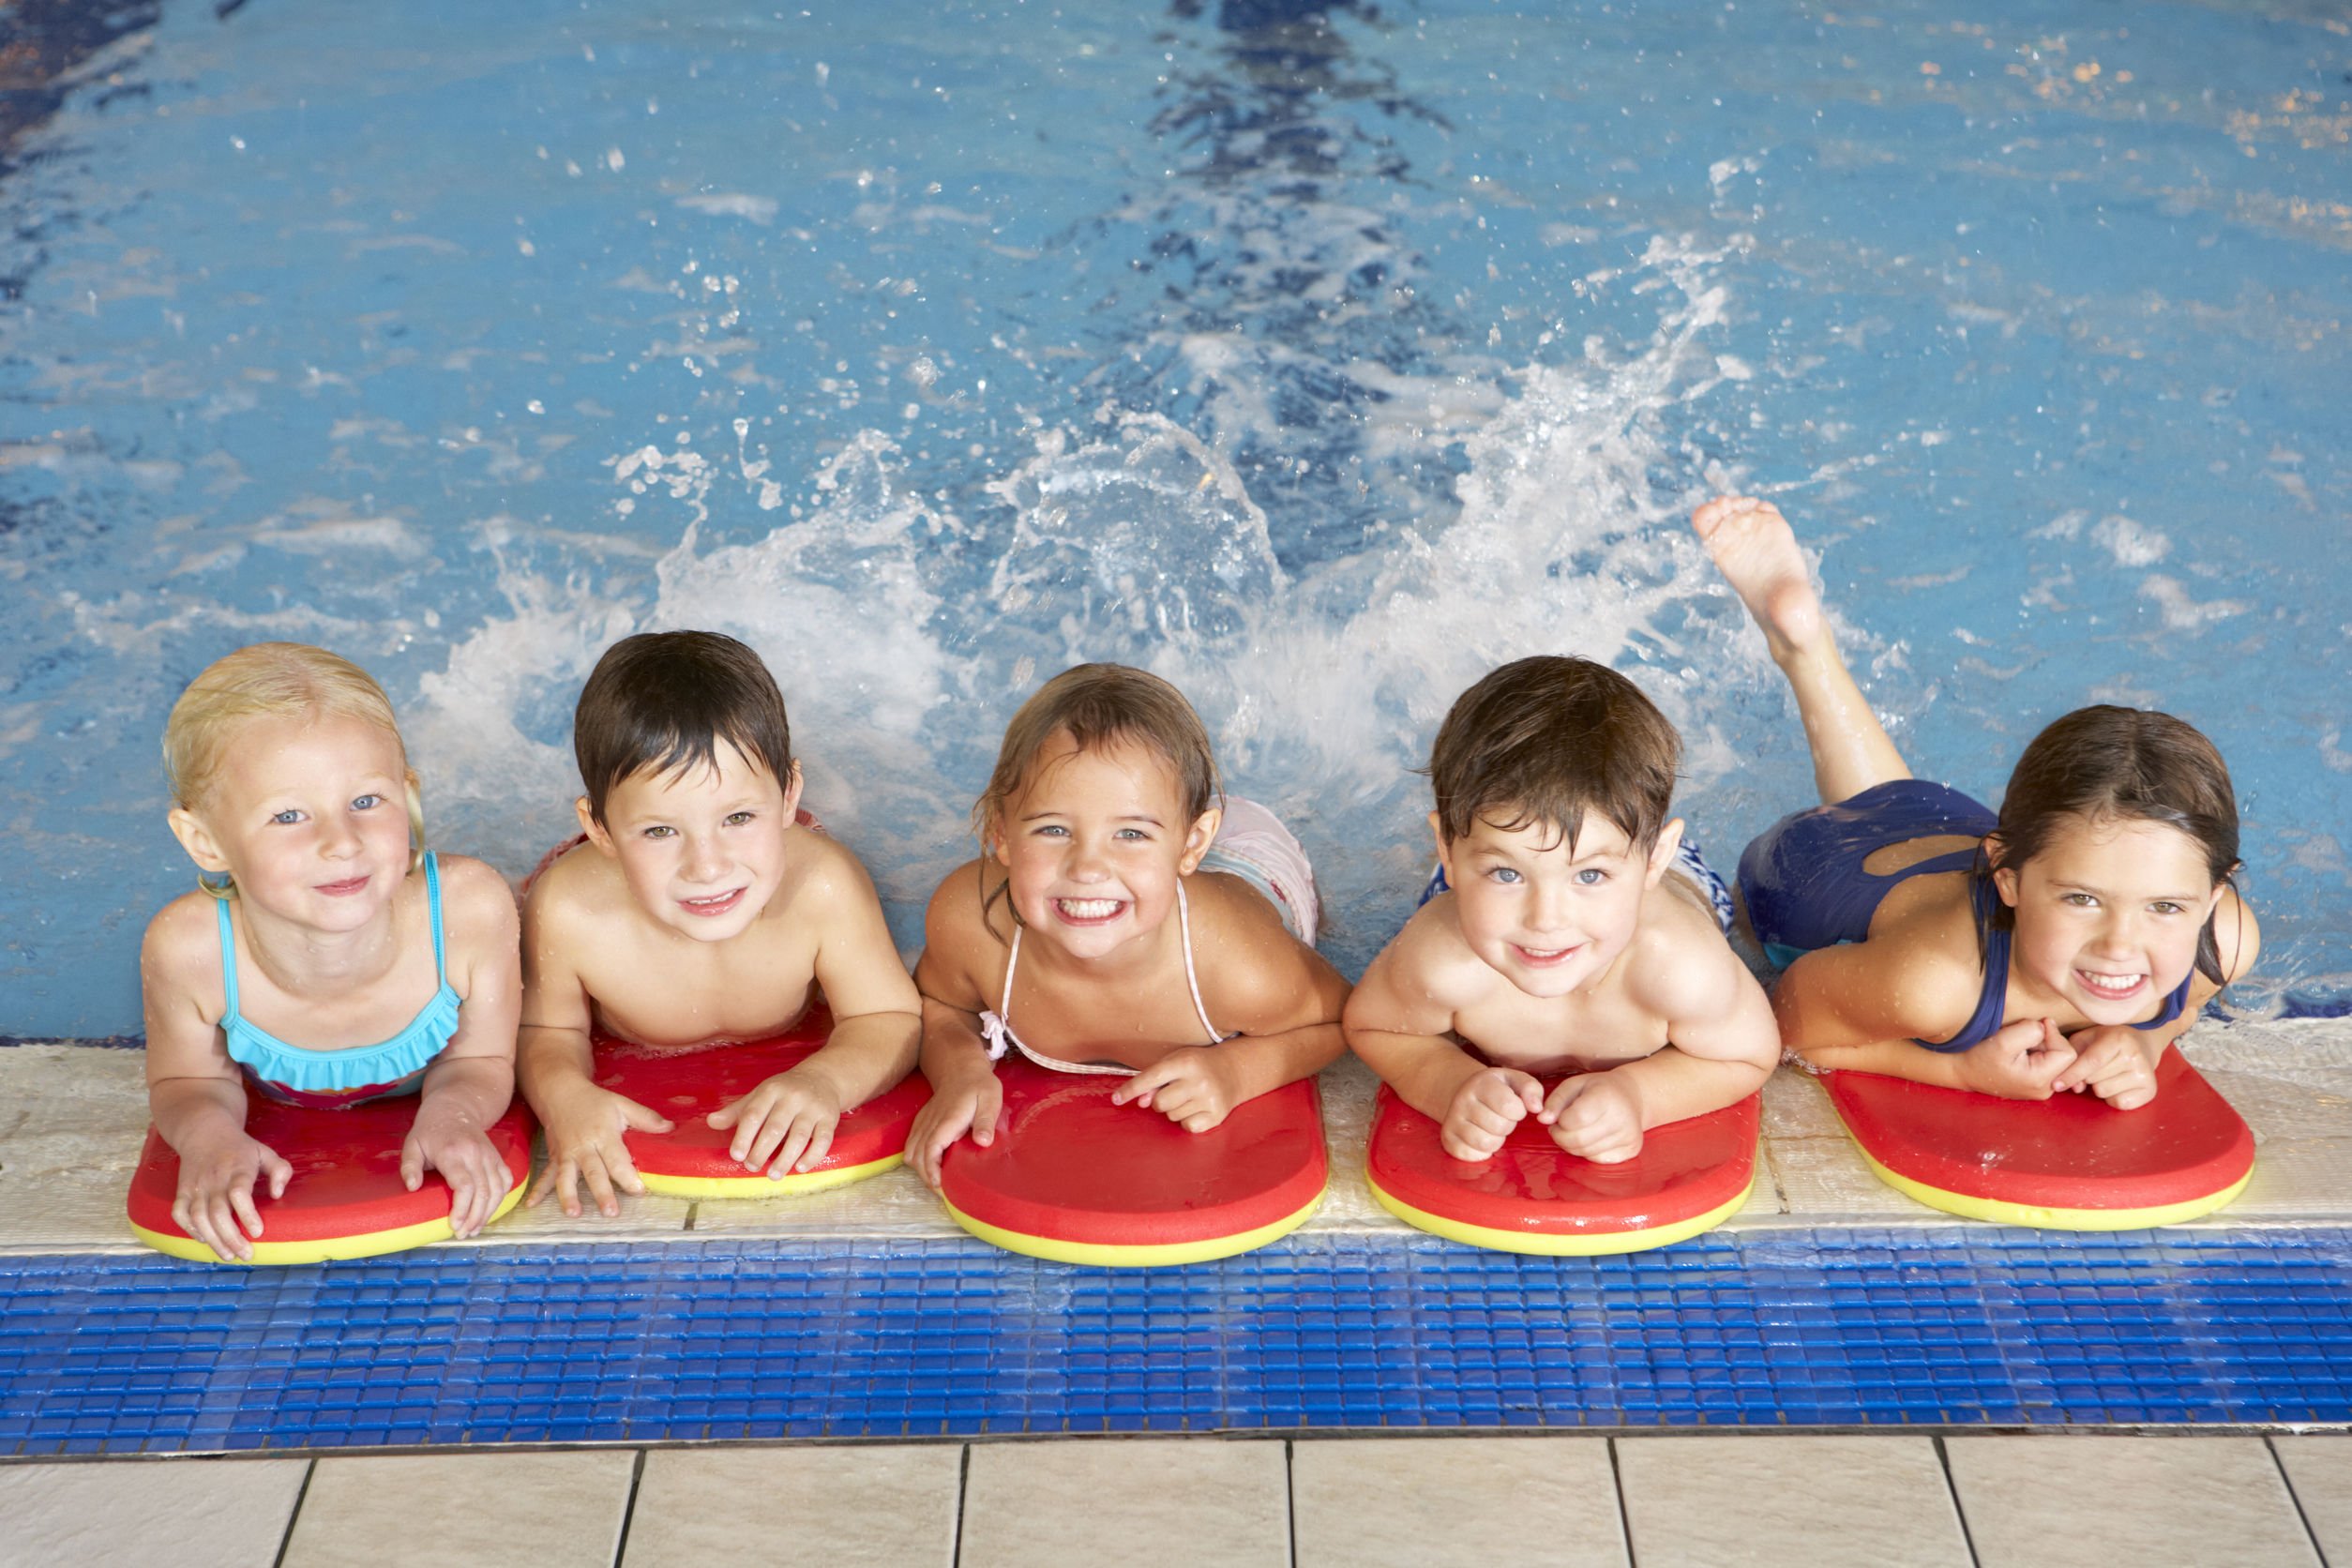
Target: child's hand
[[974, 1104], [790, 1116], [2018, 1062], [2110, 1062], [1190, 1087], [1488, 1105], [584, 1124], [1596, 1117], [215, 1200], [442, 1141]]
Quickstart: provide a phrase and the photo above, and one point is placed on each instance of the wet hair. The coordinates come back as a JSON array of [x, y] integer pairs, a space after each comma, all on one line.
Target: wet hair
[[662, 701], [1098, 706], [2108, 764], [273, 679], [1549, 740]]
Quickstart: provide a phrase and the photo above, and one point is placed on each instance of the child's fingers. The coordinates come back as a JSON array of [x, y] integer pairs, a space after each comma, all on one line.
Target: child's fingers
[[754, 1126], [411, 1163], [791, 1140], [819, 1145], [1571, 1090], [248, 1219], [278, 1171], [1141, 1084], [643, 1118], [600, 1181]]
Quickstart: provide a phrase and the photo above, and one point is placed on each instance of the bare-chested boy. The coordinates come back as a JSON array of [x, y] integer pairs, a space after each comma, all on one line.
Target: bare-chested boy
[[1573, 930], [700, 906]]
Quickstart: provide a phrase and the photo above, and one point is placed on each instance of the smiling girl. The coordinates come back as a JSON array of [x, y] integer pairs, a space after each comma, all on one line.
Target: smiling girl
[[1124, 919], [2058, 945], [328, 959]]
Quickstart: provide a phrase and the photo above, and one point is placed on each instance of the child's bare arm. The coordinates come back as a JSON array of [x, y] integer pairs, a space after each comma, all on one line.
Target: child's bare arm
[[195, 1093], [965, 1095], [788, 1122], [1840, 1009], [1401, 1020], [1721, 1042], [472, 1081], [555, 1065]]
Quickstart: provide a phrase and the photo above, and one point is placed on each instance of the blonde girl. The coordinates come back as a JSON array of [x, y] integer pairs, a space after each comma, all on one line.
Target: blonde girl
[[1124, 918], [2058, 945], [327, 958]]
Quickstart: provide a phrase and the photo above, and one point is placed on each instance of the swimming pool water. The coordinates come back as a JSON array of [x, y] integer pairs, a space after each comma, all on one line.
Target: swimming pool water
[[1317, 356]]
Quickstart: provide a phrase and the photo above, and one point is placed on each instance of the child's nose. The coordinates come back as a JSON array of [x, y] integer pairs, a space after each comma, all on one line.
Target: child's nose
[[702, 859]]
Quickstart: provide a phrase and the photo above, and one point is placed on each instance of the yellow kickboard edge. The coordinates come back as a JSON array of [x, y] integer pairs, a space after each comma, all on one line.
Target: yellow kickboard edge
[[2039, 1217], [326, 1249], [1584, 1243], [755, 1185], [1104, 1255]]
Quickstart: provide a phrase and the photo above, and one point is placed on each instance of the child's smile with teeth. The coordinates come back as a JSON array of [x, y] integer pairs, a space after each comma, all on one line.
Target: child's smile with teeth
[[1095, 844]]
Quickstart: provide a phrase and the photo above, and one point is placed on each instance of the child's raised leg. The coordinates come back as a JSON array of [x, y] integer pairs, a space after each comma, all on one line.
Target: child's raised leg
[[1757, 552]]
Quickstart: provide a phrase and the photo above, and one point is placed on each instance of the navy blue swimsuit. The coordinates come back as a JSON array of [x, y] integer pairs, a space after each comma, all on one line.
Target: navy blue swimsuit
[[1805, 887]]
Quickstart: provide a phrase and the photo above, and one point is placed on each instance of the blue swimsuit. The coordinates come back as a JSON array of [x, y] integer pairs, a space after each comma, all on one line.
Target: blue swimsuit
[[295, 1075], [1806, 888]]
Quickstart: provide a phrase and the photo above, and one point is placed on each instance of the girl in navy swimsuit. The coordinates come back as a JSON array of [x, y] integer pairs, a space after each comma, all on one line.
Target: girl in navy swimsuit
[[327, 959], [2060, 944]]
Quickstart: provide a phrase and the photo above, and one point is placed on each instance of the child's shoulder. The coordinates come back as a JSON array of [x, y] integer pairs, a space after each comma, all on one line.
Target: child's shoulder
[[830, 870], [473, 896], [1680, 964], [1430, 955], [184, 938]]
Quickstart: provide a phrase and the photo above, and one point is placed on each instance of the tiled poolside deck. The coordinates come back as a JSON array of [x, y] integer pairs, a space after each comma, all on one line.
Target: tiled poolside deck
[[70, 1126]]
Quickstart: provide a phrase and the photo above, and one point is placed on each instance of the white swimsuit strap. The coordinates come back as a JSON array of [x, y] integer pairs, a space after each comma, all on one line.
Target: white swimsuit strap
[[996, 1025], [1184, 916]]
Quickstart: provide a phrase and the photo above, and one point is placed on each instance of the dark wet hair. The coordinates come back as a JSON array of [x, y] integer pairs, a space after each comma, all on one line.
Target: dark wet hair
[[664, 700], [1547, 740], [2107, 763]]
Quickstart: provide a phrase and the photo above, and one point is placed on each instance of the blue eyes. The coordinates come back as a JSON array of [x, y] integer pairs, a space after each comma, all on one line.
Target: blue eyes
[[1590, 876], [287, 817], [367, 803]]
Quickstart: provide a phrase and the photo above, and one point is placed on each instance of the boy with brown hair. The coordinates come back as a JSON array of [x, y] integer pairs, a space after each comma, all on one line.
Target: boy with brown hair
[[1571, 930], [699, 905]]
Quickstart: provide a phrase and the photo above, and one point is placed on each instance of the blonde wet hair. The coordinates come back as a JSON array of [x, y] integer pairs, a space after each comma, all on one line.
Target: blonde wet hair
[[273, 679]]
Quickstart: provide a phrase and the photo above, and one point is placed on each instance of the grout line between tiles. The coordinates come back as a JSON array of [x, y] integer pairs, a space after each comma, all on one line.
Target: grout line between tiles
[[963, 1493], [1952, 1488], [1624, 1514], [1290, 1502], [628, 1511], [2318, 1548], [302, 1493]]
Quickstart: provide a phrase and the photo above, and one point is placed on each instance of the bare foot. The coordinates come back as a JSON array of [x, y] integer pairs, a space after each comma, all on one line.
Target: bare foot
[[1757, 552]]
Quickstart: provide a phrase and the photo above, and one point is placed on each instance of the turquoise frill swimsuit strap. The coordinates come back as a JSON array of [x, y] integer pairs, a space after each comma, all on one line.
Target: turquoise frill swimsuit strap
[[396, 1061]]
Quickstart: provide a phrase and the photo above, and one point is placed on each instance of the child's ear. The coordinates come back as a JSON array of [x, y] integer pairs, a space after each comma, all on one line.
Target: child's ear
[[1662, 853], [598, 833], [2004, 878], [1198, 839], [791, 792], [1445, 850], [197, 840]]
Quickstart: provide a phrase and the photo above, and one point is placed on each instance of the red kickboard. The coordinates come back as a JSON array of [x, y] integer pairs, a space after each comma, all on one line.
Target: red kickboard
[[346, 1171], [1070, 1167], [687, 1085], [2068, 1152], [1532, 1187]]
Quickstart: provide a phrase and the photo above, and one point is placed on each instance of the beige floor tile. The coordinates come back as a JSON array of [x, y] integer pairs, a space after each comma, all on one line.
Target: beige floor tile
[[1436, 1502], [2319, 1468], [72, 1120], [896, 1204], [1349, 1088], [650, 1218], [2314, 1103], [2296, 1178], [1137, 1502], [1824, 1180], [841, 1507], [2152, 1502], [189, 1512], [470, 1510], [1826, 1502], [1796, 1106]]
